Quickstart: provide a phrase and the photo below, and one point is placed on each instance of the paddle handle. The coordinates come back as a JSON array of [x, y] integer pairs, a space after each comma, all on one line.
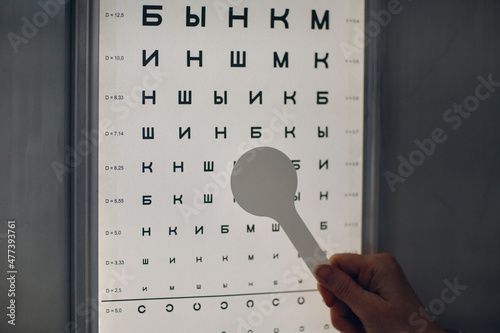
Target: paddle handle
[[302, 239]]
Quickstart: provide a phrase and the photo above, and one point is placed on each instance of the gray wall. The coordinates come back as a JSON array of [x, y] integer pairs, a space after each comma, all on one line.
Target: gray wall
[[442, 222], [34, 131]]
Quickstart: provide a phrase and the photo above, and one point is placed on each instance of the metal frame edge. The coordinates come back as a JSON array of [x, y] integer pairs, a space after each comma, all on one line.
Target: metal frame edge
[[84, 309], [371, 155]]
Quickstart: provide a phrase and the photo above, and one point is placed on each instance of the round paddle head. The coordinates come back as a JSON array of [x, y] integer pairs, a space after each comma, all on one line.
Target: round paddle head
[[264, 182]]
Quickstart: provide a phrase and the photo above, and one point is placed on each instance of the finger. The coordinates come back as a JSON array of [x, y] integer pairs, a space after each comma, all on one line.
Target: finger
[[350, 263], [344, 288], [370, 270], [327, 296], [344, 320], [361, 268], [342, 317]]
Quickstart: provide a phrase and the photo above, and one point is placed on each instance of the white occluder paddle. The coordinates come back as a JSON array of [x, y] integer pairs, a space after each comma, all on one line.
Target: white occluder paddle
[[264, 182]]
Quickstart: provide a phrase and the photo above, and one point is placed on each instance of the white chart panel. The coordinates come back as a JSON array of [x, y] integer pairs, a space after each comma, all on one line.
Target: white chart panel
[[185, 88]]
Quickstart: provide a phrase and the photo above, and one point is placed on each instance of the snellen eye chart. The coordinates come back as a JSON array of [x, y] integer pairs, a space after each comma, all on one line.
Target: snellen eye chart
[[185, 88]]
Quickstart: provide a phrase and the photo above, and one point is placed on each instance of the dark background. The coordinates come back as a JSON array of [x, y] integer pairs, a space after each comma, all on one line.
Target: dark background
[[442, 222]]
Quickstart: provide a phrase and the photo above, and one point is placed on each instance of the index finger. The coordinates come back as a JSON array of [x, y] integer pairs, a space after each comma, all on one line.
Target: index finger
[[359, 267], [350, 263]]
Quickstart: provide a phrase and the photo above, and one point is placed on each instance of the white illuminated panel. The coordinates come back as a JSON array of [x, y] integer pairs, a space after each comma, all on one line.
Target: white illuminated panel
[[182, 95]]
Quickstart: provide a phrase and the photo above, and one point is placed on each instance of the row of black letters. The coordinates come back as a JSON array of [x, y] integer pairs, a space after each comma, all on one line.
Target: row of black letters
[[197, 259], [295, 279], [199, 199], [237, 59], [151, 16], [185, 97], [256, 132], [224, 305], [147, 200], [208, 166], [224, 229]]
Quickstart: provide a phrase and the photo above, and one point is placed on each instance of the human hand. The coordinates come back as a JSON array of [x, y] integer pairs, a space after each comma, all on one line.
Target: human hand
[[370, 294]]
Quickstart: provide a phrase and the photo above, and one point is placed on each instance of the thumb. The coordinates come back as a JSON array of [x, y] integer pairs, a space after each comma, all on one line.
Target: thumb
[[343, 287]]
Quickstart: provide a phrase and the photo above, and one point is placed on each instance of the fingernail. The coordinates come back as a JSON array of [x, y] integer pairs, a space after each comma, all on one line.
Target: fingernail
[[324, 273]]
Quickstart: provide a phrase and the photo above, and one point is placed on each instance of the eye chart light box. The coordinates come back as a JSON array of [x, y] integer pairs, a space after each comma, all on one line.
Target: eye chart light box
[[184, 88]]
